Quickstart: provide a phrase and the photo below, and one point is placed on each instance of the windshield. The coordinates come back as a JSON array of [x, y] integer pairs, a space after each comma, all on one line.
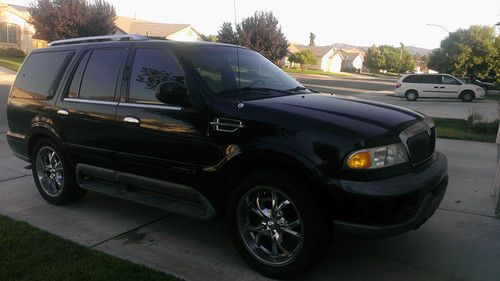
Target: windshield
[[218, 68]]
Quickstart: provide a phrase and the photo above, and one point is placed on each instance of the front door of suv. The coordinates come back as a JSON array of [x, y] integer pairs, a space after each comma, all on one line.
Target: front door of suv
[[86, 110], [157, 140]]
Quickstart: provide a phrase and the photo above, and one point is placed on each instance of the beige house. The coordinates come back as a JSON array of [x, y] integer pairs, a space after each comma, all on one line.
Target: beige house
[[328, 58], [15, 30], [177, 32]]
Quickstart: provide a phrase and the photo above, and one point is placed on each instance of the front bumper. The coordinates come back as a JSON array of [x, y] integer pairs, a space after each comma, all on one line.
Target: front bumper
[[394, 205]]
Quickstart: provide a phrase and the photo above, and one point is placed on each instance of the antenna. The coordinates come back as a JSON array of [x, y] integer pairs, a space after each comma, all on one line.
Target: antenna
[[237, 47]]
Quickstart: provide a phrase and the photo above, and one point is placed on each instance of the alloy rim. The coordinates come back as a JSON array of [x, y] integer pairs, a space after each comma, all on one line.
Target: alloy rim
[[50, 172], [270, 225]]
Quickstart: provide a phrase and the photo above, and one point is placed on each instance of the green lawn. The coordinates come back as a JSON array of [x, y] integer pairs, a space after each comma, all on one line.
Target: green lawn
[[28, 253], [458, 129], [11, 63], [494, 97], [317, 72]]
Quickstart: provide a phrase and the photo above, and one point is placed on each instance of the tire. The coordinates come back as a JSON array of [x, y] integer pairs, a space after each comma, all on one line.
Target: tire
[[302, 235], [467, 96], [53, 174], [411, 95]]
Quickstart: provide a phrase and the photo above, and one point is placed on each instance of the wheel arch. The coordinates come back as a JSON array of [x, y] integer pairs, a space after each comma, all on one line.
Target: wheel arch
[[295, 165]]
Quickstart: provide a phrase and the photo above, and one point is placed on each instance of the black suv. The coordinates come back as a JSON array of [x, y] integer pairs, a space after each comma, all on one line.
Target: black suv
[[207, 130]]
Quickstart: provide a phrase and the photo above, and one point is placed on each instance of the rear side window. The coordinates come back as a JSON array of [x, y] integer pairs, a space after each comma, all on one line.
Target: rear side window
[[150, 68], [101, 74], [412, 79], [40, 75]]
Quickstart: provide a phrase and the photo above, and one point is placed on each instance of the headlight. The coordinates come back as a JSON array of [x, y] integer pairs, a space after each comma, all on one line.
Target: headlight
[[378, 157]]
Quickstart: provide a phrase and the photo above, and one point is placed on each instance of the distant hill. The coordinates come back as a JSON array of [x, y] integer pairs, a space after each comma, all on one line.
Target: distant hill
[[411, 49]]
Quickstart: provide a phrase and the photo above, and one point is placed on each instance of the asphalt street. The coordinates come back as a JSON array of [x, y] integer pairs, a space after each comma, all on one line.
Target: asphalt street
[[382, 90]]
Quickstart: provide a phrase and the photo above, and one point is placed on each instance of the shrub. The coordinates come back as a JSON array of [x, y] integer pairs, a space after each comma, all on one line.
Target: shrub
[[477, 124], [12, 53]]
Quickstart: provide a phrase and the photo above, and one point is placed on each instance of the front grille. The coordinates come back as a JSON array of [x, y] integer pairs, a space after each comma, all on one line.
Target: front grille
[[421, 146]]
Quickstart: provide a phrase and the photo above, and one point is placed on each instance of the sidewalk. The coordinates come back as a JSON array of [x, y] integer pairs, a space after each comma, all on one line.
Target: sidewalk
[[7, 77], [460, 242]]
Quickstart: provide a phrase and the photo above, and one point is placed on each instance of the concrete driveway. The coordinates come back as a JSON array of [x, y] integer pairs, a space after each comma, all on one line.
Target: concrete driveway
[[460, 242]]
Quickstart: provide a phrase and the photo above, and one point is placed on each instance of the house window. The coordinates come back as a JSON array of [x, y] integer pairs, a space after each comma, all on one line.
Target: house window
[[8, 33]]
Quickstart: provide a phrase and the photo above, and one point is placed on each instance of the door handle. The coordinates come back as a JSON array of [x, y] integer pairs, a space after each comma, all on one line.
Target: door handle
[[131, 120], [436, 87], [63, 112], [442, 87]]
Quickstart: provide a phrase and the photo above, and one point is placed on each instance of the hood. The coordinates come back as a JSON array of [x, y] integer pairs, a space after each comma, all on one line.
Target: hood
[[366, 118]]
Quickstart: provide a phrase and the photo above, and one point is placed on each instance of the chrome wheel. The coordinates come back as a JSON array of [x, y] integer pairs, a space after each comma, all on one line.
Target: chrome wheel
[[50, 172], [270, 225]]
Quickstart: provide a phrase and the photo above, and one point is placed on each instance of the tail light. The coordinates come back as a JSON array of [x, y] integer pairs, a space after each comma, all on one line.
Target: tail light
[[398, 85]]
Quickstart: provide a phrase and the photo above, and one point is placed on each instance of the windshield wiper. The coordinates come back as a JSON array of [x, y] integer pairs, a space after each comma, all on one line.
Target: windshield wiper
[[257, 89], [297, 89]]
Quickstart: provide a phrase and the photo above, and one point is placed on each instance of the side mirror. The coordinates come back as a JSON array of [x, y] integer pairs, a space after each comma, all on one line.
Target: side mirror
[[173, 93]]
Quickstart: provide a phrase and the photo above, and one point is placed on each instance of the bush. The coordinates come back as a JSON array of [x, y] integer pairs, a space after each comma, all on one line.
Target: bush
[[477, 124], [12, 53]]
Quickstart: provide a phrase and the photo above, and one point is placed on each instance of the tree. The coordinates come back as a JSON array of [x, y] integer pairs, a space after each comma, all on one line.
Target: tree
[[304, 57], [312, 37], [62, 19], [209, 38], [262, 33], [389, 58], [374, 59], [473, 52], [227, 35]]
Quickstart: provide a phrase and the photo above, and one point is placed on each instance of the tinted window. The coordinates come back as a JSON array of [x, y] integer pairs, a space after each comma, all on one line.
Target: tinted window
[[431, 79], [450, 80], [101, 74], [40, 74], [412, 79], [150, 68], [77, 77]]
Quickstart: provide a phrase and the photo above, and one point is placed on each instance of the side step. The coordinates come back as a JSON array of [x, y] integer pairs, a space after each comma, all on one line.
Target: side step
[[172, 197]]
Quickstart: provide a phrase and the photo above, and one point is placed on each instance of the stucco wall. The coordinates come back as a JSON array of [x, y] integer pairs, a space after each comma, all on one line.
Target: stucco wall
[[186, 34]]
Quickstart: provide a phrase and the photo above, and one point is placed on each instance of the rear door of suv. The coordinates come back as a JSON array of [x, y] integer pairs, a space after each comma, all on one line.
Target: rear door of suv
[[87, 107]]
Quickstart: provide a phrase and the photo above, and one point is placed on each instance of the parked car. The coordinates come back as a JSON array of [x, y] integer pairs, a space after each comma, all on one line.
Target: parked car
[[485, 85], [415, 86], [206, 130]]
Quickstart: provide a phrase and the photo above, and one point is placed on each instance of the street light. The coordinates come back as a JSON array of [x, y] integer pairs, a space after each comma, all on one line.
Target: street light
[[440, 26]]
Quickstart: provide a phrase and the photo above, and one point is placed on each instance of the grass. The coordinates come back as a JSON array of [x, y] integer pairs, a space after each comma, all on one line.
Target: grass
[[28, 253], [457, 129], [11, 63], [317, 72]]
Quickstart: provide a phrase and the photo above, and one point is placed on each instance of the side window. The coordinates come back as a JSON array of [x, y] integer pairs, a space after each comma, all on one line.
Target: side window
[[450, 80], [74, 88], [411, 79], [150, 68], [39, 77], [432, 79], [101, 74]]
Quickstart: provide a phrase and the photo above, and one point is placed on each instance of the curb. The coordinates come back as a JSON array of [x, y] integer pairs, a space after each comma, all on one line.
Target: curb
[[495, 191]]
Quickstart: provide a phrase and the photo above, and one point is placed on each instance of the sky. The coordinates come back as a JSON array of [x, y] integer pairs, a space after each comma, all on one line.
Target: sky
[[360, 22]]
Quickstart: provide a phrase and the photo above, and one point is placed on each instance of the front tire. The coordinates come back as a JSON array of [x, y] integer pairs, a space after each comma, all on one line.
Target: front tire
[[276, 225], [53, 174]]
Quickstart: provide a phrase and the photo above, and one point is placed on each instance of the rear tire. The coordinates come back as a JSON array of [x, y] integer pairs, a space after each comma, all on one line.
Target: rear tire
[[53, 174], [411, 95], [276, 225], [467, 96]]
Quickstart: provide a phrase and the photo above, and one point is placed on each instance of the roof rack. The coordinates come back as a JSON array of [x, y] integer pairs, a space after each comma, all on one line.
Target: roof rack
[[103, 38]]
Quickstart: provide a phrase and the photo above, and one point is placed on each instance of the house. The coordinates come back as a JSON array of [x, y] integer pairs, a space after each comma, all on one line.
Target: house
[[15, 29], [178, 32], [328, 58], [353, 60]]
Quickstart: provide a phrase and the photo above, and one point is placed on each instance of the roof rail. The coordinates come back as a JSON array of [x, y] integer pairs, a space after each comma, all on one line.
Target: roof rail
[[103, 38]]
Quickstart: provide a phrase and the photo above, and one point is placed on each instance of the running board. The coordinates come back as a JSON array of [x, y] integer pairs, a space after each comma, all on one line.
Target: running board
[[171, 197]]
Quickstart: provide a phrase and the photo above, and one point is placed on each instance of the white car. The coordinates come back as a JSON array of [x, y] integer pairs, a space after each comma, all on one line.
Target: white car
[[415, 86]]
